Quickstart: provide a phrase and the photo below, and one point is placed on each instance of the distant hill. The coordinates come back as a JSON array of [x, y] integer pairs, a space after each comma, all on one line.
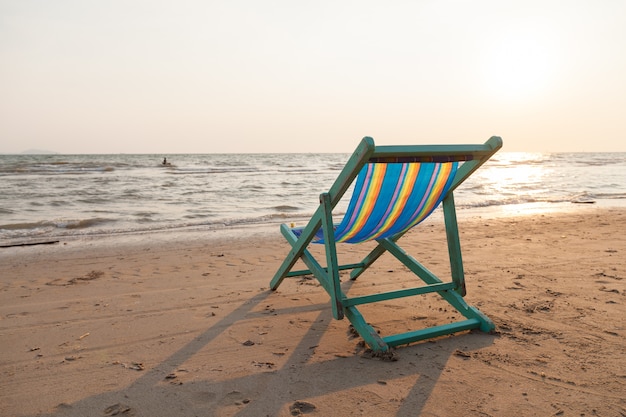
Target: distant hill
[[37, 152]]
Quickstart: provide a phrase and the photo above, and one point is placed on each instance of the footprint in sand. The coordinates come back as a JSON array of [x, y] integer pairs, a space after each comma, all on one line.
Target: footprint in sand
[[301, 407], [119, 410]]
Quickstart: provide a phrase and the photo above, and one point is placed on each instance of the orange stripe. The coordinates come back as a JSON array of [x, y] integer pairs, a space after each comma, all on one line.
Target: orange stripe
[[440, 182], [370, 200], [405, 193]]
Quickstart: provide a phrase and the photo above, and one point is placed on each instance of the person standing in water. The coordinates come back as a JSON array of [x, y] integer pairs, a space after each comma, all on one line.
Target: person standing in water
[[164, 161]]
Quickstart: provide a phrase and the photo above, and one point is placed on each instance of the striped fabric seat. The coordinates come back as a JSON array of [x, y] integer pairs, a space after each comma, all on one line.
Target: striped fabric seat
[[391, 198]]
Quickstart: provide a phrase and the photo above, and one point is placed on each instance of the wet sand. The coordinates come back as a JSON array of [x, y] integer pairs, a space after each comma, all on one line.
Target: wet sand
[[156, 326]]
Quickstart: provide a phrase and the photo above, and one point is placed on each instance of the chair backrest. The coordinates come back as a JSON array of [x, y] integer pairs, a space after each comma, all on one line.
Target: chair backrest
[[397, 187], [390, 198]]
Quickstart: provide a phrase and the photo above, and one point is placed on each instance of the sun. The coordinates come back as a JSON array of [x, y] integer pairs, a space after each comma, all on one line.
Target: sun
[[519, 64]]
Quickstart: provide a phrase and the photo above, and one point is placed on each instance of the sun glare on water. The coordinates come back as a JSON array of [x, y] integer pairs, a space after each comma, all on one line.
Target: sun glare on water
[[515, 172]]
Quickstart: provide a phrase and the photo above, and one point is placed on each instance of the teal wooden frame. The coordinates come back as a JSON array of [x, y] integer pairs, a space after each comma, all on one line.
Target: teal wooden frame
[[328, 276]]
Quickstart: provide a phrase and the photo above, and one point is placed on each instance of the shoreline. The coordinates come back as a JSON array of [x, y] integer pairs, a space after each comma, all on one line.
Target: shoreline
[[271, 229], [180, 324]]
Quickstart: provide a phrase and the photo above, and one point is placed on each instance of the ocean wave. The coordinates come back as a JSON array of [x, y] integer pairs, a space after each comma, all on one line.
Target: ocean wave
[[94, 200], [513, 199], [252, 187], [60, 203], [55, 168], [59, 224], [18, 226], [211, 170], [297, 170], [80, 224], [286, 208], [198, 216], [611, 196]]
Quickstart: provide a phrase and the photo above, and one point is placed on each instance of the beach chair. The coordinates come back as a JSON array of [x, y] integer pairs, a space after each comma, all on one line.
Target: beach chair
[[396, 188]]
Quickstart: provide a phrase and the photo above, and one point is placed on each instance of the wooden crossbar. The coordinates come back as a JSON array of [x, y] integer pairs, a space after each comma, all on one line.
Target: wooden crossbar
[[391, 295], [308, 272], [419, 159], [429, 333]]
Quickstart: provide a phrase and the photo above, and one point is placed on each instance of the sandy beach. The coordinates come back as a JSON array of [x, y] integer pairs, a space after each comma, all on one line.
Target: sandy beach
[[157, 326]]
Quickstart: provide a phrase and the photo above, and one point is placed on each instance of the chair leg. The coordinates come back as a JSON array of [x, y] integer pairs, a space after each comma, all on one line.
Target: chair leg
[[329, 276], [289, 261], [309, 260], [367, 332], [454, 244], [298, 246], [332, 274]]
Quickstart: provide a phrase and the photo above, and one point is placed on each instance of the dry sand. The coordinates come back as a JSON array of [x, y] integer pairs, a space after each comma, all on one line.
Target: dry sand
[[163, 327]]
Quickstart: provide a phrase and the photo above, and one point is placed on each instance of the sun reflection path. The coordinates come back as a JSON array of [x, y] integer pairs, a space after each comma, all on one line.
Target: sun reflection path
[[511, 178]]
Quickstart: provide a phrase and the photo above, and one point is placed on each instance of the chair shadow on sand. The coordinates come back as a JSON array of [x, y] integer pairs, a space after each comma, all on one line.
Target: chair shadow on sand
[[277, 391]]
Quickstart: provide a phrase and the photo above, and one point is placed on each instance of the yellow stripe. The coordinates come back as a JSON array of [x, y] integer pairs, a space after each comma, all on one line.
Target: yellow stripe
[[405, 192], [438, 187], [370, 200]]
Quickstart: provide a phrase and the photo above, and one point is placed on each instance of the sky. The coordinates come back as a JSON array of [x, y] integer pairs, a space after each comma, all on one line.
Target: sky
[[204, 76]]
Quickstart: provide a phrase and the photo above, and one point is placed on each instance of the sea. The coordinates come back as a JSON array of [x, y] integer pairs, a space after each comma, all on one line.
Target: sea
[[55, 197]]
